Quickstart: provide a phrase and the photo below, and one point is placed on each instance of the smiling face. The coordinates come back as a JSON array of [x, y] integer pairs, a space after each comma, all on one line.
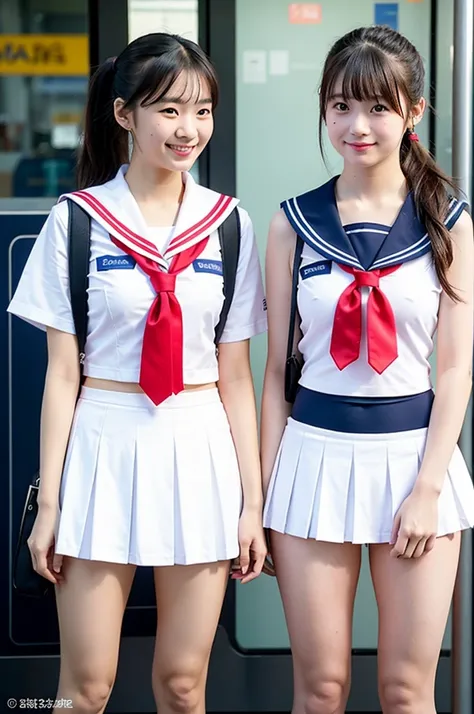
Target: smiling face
[[171, 131], [364, 132], [366, 106]]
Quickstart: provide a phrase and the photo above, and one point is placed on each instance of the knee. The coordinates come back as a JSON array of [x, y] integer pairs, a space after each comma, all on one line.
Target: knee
[[400, 696], [91, 695], [324, 697], [181, 693]]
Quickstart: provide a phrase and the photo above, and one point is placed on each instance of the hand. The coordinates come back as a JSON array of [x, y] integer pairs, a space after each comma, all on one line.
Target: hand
[[252, 547], [41, 545], [415, 525], [268, 565]]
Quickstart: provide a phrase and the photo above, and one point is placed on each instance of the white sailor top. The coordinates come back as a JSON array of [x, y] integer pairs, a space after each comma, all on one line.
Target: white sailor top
[[368, 298], [121, 293]]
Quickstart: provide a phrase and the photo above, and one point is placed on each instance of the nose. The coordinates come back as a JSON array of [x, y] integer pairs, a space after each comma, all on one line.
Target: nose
[[187, 127], [359, 124]]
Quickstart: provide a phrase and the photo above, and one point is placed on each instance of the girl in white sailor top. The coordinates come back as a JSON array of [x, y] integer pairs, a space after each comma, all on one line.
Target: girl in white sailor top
[[161, 466], [368, 454]]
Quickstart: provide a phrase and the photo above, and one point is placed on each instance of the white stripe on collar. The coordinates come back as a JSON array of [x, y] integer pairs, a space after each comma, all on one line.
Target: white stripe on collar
[[305, 230]]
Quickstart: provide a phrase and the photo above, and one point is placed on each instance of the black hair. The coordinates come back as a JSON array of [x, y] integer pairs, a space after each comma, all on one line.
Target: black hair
[[141, 75]]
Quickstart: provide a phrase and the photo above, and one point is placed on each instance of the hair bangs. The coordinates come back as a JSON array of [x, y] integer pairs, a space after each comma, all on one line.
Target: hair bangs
[[170, 73], [365, 74]]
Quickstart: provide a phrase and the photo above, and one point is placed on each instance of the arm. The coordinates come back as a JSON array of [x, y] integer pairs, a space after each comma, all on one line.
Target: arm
[[415, 524], [454, 363], [275, 409], [59, 400], [238, 397]]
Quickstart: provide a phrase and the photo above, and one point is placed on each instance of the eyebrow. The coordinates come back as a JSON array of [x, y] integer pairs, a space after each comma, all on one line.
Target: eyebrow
[[180, 100]]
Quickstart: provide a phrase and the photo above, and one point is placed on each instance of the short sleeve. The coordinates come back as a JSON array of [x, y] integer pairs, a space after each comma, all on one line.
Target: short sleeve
[[247, 315], [42, 296]]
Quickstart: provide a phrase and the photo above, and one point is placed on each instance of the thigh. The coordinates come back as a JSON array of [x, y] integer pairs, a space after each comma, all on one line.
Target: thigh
[[318, 582], [189, 601], [413, 598], [91, 602]]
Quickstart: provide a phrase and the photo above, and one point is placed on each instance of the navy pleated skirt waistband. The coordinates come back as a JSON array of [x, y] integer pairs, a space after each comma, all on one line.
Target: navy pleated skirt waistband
[[362, 415]]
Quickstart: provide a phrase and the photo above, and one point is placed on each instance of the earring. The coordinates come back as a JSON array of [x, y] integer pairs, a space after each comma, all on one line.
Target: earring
[[412, 135]]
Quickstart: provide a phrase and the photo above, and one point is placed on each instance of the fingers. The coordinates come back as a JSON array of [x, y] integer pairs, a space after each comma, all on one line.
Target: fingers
[[256, 564], [412, 546], [395, 528], [244, 557], [42, 561], [400, 546]]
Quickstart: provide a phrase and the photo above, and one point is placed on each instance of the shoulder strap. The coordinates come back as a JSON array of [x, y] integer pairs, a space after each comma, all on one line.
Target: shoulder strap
[[229, 239], [79, 226], [294, 291]]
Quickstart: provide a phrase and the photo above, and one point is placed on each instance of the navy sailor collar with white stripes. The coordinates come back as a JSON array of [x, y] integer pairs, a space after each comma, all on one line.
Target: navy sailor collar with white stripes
[[315, 217]]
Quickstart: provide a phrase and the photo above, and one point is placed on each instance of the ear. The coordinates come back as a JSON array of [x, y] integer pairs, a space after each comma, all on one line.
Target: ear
[[417, 112], [122, 116]]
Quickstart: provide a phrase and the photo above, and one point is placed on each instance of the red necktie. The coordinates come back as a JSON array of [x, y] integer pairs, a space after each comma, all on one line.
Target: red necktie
[[381, 329], [161, 369]]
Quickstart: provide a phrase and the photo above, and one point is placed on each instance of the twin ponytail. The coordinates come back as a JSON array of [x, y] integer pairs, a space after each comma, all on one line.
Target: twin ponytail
[[105, 143], [431, 188]]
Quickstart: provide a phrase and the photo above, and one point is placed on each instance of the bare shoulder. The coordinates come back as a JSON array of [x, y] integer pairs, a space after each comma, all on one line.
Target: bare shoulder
[[281, 235], [462, 231]]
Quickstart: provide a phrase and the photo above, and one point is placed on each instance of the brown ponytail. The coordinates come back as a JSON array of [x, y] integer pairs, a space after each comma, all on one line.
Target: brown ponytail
[[379, 62], [429, 185]]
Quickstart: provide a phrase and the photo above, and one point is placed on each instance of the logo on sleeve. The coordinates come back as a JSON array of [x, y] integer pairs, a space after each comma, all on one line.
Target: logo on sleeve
[[208, 266], [115, 262], [320, 267]]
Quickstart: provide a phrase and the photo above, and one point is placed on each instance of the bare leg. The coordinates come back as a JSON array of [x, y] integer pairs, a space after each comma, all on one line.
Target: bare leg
[[413, 596], [91, 602], [318, 582], [189, 601]]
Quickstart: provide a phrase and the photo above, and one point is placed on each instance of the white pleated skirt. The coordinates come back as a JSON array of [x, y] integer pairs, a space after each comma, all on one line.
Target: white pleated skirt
[[150, 485], [339, 487]]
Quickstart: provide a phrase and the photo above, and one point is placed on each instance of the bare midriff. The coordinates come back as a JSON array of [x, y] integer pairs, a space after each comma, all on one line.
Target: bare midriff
[[113, 386]]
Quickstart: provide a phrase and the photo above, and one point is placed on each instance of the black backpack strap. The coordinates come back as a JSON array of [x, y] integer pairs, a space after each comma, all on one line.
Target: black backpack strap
[[79, 227], [229, 239], [294, 291]]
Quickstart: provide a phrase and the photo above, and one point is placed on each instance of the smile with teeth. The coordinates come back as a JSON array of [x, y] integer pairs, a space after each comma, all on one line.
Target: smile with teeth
[[180, 149]]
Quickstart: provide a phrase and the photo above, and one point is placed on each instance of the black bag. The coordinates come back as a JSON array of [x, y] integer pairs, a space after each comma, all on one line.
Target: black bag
[[26, 580], [293, 365]]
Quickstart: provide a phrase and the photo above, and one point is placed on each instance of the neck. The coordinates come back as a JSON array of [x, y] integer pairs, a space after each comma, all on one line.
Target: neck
[[151, 184], [371, 183]]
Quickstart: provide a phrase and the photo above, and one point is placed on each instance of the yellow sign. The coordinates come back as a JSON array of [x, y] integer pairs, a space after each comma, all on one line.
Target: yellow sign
[[53, 55]]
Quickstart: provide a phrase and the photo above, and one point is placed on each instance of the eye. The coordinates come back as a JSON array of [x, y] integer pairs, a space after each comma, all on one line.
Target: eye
[[203, 112], [341, 106], [169, 110], [379, 109]]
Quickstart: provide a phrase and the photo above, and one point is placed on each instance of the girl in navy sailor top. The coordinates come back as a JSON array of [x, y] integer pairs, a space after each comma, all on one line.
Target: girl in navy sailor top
[[367, 454], [161, 465]]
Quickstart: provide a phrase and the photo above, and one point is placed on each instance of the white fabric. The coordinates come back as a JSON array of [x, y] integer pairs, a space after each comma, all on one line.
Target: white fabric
[[414, 294], [119, 299], [160, 236], [150, 485], [340, 487]]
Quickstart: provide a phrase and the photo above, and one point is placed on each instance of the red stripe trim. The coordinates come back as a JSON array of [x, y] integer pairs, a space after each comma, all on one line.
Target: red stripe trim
[[104, 213], [203, 226]]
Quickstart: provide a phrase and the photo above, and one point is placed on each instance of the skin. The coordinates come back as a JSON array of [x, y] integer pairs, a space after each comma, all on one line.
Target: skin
[[413, 575], [92, 596]]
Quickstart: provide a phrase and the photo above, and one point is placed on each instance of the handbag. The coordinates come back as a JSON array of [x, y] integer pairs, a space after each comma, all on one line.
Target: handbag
[[26, 580], [293, 365]]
